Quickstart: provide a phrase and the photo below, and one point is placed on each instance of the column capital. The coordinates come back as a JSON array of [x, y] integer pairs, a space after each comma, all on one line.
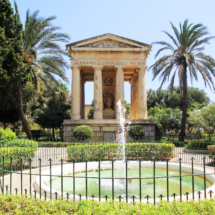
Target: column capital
[[141, 68], [75, 67], [97, 68], [119, 67]]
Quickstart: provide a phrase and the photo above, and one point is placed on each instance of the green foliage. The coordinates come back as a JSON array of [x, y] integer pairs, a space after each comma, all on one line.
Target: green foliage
[[17, 204], [52, 115], [13, 72], [201, 144], [183, 58], [166, 99], [166, 118], [42, 50], [127, 108], [107, 151], [136, 132], [17, 149], [90, 113], [82, 132], [7, 134], [204, 118], [211, 149]]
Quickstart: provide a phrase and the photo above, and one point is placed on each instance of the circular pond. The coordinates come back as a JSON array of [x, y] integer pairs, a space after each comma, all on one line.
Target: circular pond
[[133, 180]]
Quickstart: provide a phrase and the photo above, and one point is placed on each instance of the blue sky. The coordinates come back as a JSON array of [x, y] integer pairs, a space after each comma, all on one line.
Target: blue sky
[[140, 20]]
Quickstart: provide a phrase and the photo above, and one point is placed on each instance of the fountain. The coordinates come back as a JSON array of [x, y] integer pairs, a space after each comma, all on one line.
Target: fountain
[[101, 179]]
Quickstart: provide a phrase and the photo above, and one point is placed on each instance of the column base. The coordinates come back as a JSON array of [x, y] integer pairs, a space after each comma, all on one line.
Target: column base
[[98, 115], [76, 116], [142, 114]]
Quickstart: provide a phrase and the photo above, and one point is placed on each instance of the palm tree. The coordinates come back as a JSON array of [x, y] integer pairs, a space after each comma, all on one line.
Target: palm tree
[[42, 51], [186, 58]]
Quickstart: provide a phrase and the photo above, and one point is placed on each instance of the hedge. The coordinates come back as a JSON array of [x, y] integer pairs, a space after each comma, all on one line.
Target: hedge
[[17, 149], [16, 204], [211, 152], [107, 151], [7, 134], [199, 144]]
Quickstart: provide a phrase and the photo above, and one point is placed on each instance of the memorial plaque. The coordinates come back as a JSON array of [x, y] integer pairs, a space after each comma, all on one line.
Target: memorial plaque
[[109, 137]]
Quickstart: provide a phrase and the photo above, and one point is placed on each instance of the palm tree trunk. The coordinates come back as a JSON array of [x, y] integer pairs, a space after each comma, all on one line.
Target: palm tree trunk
[[21, 113], [184, 107]]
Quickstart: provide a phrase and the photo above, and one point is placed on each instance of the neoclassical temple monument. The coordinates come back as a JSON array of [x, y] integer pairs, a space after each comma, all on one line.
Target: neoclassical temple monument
[[108, 60]]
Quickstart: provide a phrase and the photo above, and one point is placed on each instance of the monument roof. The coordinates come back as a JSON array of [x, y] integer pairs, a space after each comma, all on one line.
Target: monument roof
[[93, 42]]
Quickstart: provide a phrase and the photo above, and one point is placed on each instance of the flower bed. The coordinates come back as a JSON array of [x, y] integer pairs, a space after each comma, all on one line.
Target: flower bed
[[107, 151]]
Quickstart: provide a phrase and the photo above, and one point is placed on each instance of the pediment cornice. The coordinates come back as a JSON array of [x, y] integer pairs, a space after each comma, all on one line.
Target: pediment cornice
[[107, 42]]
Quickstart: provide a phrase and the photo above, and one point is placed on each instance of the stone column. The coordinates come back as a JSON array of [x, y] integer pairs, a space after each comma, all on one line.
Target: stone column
[[132, 99], [98, 96], [142, 97], [119, 86], [83, 99], [76, 100]]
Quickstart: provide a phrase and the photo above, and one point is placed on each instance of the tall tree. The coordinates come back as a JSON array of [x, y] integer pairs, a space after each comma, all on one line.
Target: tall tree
[[186, 58], [13, 72], [41, 48]]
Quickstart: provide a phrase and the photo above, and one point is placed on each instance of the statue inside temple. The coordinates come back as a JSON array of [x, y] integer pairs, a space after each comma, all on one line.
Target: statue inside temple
[[108, 100]]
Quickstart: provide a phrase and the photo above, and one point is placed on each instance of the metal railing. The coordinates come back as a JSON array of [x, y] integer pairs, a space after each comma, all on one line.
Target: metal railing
[[21, 164]]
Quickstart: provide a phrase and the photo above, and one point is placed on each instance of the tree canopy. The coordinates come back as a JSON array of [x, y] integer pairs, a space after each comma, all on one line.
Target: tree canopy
[[185, 58], [174, 100], [13, 72]]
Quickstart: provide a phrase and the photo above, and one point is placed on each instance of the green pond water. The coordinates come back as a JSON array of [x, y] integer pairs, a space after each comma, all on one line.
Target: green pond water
[[133, 186]]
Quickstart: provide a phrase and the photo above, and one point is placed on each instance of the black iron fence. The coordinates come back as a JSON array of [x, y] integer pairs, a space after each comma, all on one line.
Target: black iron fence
[[28, 167]]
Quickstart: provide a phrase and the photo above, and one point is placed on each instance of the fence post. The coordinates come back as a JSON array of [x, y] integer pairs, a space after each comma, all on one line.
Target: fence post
[[205, 194], [11, 169], [74, 179], [154, 180], [112, 180], [140, 193], [86, 176], [106, 197], [61, 162], [126, 176], [167, 178], [3, 157], [50, 168], [193, 177], [30, 159], [40, 174], [21, 159], [99, 180], [180, 178]]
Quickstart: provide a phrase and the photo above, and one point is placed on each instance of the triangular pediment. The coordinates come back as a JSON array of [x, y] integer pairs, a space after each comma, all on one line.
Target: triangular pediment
[[107, 41]]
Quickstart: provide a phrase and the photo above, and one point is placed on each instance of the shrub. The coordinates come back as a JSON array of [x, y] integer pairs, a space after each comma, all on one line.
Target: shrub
[[211, 149], [136, 132], [82, 132], [198, 144], [17, 149], [7, 134], [107, 151], [21, 204]]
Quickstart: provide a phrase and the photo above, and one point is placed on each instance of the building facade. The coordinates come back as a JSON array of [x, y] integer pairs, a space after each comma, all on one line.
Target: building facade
[[108, 60]]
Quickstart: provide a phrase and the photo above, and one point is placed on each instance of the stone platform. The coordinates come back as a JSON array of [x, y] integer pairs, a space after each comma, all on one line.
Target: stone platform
[[105, 129]]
